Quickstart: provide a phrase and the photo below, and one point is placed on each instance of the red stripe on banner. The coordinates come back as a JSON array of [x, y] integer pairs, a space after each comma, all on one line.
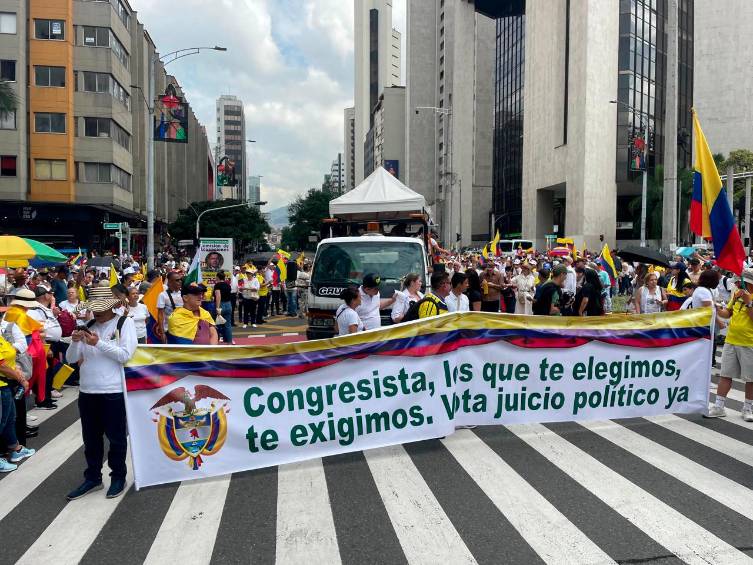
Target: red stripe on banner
[[652, 343], [150, 383]]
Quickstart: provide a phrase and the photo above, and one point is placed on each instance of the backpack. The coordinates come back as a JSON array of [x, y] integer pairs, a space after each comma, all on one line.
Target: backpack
[[118, 327], [415, 307], [67, 322]]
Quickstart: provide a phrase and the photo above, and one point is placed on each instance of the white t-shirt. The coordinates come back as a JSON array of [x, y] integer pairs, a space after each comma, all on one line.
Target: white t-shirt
[[163, 303], [102, 370], [68, 307], [701, 294], [346, 317], [457, 303], [402, 304], [139, 314], [52, 329], [368, 311]]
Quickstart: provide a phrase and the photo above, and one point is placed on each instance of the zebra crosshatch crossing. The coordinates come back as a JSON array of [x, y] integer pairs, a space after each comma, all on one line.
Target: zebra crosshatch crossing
[[665, 489]]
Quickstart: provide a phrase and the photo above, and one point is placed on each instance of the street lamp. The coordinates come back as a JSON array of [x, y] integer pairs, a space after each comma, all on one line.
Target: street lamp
[[198, 219], [644, 191], [167, 59]]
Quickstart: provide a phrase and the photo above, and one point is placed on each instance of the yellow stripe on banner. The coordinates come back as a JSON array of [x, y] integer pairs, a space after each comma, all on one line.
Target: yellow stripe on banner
[[695, 317]]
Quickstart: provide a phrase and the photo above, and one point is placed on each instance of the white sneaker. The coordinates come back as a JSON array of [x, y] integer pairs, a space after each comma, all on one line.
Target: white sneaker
[[57, 394], [253, 325], [31, 418], [245, 326], [747, 414], [716, 412]]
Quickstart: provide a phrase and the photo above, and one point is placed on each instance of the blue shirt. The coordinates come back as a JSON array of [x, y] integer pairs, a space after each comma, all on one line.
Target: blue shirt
[[60, 290]]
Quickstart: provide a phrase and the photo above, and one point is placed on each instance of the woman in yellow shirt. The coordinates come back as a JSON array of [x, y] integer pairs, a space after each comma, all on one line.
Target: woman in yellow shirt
[[8, 373], [737, 355]]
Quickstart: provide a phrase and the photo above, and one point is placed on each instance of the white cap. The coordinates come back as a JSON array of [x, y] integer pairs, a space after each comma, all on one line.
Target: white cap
[[128, 271], [516, 262]]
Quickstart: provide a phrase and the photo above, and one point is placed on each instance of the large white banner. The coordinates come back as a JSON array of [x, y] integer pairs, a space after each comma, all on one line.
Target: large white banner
[[199, 412]]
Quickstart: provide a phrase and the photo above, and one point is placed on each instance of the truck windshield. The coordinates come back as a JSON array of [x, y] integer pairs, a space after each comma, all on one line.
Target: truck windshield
[[347, 262]]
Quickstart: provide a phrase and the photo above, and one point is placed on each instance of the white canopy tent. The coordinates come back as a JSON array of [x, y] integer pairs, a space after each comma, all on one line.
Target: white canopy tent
[[380, 196]]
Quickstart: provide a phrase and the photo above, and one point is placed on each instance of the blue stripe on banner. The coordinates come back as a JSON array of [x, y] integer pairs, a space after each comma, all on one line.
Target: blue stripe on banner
[[650, 337]]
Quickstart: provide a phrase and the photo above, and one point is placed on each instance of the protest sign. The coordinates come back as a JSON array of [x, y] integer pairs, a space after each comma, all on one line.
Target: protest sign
[[215, 254], [204, 411]]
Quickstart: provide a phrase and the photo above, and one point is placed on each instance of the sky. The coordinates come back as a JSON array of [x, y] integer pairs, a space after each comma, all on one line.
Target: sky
[[290, 61]]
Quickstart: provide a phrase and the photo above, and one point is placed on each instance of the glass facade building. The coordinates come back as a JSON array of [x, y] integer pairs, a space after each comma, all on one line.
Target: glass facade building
[[507, 193]]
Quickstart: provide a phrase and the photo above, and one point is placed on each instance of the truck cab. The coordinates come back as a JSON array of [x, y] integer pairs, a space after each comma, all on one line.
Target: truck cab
[[341, 262]]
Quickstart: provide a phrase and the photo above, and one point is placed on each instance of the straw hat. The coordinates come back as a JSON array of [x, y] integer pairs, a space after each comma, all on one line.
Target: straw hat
[[26, 298], [101, 299]]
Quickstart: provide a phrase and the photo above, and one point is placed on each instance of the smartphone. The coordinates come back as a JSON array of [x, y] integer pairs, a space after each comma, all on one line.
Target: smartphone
[[83, 328]]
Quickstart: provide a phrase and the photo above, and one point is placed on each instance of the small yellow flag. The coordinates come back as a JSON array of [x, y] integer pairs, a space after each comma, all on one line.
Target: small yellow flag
[[113, 277], [61, 375]]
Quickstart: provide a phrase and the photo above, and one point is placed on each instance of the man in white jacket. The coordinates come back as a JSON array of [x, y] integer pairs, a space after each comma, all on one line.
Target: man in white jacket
[[101, 349]]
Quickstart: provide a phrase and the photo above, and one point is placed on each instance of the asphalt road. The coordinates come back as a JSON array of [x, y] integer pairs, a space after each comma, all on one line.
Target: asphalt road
[[657, 490]]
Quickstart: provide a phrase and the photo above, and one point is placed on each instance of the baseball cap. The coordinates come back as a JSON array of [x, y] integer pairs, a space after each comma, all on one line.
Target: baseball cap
[[371, 281], [195, 289], [41, 291], [516, 262], [677, 265]]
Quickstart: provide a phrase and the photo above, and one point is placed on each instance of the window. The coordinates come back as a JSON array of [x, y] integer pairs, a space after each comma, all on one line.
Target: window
[[97, 127], [45, 169], [121, 136], [7, 22], [119, 51], [119, 93], [96, 36], [122, 12], [49, 29], [8, 120], [105, 173], [7, 70], [49, 76], [49, 123], [7, 166], [96, 82]]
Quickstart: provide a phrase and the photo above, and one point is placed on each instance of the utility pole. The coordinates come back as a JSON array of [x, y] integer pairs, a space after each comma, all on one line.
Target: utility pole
[[747, 215], [669, 198]]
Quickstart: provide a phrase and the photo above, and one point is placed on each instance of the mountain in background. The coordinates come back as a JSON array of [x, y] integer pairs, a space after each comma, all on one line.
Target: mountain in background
[[279, 217]]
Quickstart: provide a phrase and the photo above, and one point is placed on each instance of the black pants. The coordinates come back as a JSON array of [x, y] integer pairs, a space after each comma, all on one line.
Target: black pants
[[274, 306], [283, 299], [249, 311], [261, 308], [490, 306], [233, 303], [103, 415]]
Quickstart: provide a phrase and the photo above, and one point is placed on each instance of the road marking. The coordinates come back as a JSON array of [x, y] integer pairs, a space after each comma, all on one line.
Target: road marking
[[295, 334], [548, 531], [70, 534], [424, 530], [191, 523], [712, 484], [33, 471], [70, 395], [667, 526], [305, 527], [719, 442]]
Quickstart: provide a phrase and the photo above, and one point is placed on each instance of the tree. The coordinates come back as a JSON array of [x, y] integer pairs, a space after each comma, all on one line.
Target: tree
[[244, 224], [742, 161], [305, 215]]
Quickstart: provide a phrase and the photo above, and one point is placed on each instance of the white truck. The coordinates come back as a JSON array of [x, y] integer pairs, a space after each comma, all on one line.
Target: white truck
[[379, 227]]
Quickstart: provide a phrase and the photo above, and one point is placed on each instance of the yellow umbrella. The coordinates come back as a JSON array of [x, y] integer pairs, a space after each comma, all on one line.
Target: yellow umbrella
[[21, 252]]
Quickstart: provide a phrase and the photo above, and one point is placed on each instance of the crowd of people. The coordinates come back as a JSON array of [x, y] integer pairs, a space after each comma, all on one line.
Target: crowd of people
[[82, 318]]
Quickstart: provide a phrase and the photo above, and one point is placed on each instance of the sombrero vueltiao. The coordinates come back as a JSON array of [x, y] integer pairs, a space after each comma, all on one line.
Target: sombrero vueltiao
[[101, 299], [26, 298]]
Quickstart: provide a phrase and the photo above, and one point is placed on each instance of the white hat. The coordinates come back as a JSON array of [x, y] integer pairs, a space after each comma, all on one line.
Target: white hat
[[748, 275], [25, 298], [128, 271], [532, 262]]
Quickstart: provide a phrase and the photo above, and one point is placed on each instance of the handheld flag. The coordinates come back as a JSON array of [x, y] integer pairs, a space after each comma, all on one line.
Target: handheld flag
[[299, 261], [495, 244], [607, 263], [113, 276], [61, 372], [485, 251], [150, 301], [283, 253], [283, 268], [194, 271], [714, 220]]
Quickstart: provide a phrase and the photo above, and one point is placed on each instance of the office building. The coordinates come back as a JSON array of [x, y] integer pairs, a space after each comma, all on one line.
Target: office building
[[337, 175], [74, 153], [567, 160], [253, 189], [377, 65], [385, 146], [231, 140], [449, 114], [722, 53], [349, 144]]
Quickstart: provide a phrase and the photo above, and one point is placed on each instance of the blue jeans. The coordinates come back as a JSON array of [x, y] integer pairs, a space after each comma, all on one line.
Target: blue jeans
[[8, 417], [225, 331], [292, 301]]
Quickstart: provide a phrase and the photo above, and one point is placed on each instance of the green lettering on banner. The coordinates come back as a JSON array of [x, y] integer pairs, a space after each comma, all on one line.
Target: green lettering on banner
[[250, 410]]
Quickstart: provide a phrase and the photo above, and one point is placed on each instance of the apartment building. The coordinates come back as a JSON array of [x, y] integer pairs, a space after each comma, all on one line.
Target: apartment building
[[74, 154]]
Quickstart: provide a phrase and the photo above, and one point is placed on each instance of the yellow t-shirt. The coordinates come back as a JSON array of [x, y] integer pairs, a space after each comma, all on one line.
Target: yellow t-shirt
[[7, 357], [263, 288], [740, 331]]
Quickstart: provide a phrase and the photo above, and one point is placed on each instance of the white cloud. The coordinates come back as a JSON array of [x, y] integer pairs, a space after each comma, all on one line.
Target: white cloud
[[290, 61]]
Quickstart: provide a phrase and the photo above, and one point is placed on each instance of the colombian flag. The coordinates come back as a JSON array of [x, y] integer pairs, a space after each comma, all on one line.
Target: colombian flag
[[150, 301], [494, 245], [607, 263], [710, 214], [183, 325], [113, 276]]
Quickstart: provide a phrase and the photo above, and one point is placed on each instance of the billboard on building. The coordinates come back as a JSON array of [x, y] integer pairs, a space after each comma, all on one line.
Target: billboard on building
[[171, 119], [393, 167]]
